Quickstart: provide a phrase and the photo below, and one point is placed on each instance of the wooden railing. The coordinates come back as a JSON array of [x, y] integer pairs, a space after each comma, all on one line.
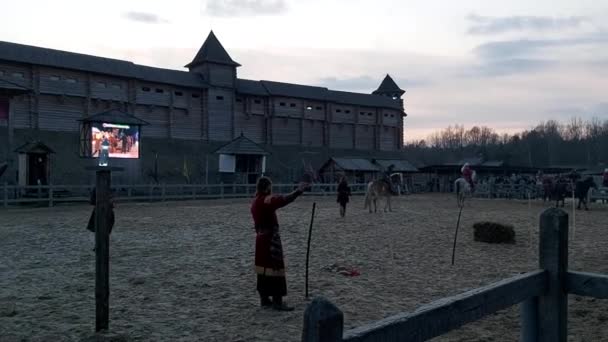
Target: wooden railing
[[52, 194], [600, 193], [542, 295]]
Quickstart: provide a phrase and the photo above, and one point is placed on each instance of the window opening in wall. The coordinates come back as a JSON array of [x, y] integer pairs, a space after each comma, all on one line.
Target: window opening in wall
[[239, 100], [179, 93], [160, 91], [18, 74], [385, 115], [319, 108], [282, 104], [292, 105], [257, 101], [361, 113], [308, 107], [146, 89], [392, 115], [219, 97], [338, 110], [347, 111], [71, 80], [370, 114], [54, 78], [195, 95]]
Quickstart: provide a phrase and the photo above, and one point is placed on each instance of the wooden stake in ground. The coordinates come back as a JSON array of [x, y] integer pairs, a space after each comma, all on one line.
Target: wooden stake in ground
[[102, 250], [103, 211], [456, 234], [312, 218], [573, 211]]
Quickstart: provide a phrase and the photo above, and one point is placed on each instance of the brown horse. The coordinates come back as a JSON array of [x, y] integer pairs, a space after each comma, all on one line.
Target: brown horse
[[375, 190]]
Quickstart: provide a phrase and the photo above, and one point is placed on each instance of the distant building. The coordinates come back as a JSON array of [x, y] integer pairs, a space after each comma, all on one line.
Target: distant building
[[189, 115]]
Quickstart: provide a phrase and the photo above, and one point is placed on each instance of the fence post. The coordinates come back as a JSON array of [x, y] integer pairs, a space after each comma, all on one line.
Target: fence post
[[323, 322], [222, 190], [5, 194], [50, 195], [102, 249], [162, 192], [528, 317], [553, 249]]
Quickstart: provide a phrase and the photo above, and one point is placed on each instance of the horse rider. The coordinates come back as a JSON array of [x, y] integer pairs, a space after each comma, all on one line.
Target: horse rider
[[605, 178], [467, 174], [387, 176]]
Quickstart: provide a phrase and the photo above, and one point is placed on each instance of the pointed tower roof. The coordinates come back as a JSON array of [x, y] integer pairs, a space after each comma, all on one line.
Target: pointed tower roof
[[212, 51], [388, 86]]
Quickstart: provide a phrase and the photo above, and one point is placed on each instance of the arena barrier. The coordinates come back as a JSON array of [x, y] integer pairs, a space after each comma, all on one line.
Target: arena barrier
[[53, 194], [542, 296]]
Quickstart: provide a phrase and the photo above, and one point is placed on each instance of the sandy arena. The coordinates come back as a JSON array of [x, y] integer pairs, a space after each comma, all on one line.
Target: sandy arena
[[183, 271]]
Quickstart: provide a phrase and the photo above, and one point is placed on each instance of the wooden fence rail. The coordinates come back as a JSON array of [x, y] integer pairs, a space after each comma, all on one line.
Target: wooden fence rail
[[52, 194], [542, 295]]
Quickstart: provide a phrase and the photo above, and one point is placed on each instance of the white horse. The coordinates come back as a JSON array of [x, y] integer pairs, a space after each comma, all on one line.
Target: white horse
[[375, 190], [463, 189]]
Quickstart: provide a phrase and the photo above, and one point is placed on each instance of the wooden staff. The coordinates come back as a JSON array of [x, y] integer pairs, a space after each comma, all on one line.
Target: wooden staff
[[312, 217], [573, 184], [456, 234]]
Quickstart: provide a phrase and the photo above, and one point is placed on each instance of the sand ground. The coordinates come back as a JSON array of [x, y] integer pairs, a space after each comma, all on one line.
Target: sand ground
[[183, 271]]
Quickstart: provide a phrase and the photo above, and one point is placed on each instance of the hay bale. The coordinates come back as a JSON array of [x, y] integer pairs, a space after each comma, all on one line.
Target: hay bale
[[492, 232]]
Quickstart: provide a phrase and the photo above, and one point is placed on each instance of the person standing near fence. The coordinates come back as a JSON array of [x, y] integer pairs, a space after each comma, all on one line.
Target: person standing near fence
[[343, 195], [269, 262]]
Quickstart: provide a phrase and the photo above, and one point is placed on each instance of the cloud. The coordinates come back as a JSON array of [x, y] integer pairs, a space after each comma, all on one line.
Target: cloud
[[235, 8], [507, 67], [143, 17], [482, 25], [525, 47]]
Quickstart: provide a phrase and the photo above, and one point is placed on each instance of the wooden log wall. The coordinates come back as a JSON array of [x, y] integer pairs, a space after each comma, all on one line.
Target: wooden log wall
[[61, 97]]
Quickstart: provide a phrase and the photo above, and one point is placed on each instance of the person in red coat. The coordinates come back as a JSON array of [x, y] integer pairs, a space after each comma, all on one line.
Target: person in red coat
[[467, 174], [269, 262]]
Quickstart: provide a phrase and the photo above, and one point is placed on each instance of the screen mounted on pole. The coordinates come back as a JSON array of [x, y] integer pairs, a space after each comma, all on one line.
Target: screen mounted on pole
[[123, 139]]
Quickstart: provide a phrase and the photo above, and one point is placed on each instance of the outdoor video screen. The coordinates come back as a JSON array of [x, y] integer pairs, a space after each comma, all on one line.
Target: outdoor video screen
[[123, 139]]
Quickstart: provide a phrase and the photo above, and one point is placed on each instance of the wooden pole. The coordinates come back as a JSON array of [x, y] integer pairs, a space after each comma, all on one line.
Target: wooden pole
[[312, 218], [102, 250], [5, 194], [528, 316], [456, 234], [573, 212], [50, 195], [553, 250]]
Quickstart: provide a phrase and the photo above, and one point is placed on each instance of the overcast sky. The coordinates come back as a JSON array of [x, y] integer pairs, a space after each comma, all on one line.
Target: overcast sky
[[505, 64]]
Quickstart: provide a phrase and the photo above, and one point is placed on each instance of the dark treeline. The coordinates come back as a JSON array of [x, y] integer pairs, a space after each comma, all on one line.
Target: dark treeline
[[551, 143]]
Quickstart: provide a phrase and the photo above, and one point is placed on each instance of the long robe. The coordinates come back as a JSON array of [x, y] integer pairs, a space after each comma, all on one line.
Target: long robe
[[269, 261]]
